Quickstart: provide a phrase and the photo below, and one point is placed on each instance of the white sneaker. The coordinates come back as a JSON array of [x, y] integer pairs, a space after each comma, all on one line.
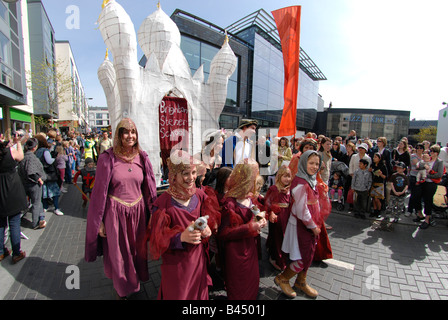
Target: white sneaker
[[58, 212], [407, 214], [63, 190]]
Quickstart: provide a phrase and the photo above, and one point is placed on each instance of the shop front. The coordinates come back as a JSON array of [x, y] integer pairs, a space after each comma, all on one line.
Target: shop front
[[20, 120]]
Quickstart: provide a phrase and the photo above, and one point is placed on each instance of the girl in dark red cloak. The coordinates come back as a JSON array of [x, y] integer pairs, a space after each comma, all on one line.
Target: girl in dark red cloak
[[184, 253], [277, 202], [323, 249], [238, 233], [303, 228]]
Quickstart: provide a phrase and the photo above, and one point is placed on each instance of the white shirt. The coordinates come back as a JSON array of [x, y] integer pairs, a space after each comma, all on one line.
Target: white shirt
[[443, 155], [354, 163], [299, 210], [243, 149]]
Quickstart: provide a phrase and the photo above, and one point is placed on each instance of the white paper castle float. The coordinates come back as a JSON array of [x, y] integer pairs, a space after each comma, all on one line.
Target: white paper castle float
[[136, 92]]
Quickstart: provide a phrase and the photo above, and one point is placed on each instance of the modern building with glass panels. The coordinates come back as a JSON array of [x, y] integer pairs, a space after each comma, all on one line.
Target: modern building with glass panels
[[14, 113], [371, 123], [42, 53], [255, 89]]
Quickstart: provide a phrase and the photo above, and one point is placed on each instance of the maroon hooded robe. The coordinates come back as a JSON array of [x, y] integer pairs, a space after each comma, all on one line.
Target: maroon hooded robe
[[184, 265], [238, 235]]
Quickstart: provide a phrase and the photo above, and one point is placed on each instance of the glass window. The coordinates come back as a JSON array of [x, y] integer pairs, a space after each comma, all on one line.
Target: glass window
[[232, 94], [6, 77], [198, 53], [5, 55], [192, 52], [207, 54], [3, 11], [228, 121]]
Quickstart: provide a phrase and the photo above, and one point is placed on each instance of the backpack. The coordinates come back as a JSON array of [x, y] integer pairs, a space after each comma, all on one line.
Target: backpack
[[50, 169]]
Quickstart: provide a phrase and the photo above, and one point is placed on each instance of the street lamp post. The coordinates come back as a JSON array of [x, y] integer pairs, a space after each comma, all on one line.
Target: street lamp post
[[87, 115]]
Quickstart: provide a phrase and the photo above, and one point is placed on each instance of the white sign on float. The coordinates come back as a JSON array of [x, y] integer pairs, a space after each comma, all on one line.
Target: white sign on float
[[442, 127], [136, 92]]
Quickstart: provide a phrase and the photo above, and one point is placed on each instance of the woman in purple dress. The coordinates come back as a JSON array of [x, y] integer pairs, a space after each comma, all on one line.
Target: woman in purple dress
[[184, 251], [119, 209]]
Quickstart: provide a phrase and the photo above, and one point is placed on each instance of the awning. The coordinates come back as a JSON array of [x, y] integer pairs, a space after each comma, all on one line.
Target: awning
[[19, 115]]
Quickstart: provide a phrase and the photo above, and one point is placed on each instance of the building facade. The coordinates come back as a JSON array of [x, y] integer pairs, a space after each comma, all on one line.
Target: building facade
[[14, 112], [371, 123], [99, 119], [73, 108], [43, 61], [255, 89]]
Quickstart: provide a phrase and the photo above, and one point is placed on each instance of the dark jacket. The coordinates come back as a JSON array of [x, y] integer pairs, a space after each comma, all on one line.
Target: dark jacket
[[31, 169]]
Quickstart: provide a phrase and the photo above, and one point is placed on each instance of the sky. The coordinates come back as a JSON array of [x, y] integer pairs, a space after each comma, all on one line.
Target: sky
[[383, 54]]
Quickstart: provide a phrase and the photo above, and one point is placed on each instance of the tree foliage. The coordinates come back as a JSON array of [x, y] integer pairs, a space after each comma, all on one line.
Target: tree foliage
[[50, 83], [429, 134]]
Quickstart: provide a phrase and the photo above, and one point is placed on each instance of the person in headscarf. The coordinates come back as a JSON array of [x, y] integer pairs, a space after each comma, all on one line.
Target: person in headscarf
[[238, 234], [323, 249], [277, 202], [122, 197], [183, 248], [305, 145], [303, 228]]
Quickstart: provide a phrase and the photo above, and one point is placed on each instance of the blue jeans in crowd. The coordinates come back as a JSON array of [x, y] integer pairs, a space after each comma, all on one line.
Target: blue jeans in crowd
[[14, 233]]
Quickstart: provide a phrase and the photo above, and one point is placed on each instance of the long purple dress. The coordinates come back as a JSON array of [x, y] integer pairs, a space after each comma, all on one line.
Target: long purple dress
[[184, 265], [122, 199]]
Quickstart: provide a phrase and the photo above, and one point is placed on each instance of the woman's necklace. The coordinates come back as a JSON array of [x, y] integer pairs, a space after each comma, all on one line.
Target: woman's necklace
[[126, 156]]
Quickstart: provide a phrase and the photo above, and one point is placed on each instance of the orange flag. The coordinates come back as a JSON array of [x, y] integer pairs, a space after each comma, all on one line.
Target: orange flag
[[288, 26]]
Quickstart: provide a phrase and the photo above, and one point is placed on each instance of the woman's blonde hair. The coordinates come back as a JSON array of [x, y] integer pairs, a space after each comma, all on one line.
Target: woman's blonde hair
[[383, 140]]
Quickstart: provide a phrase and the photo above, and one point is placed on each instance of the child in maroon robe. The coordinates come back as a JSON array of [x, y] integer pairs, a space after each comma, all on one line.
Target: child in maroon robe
[[304, 225], [238, 233], [184, 252], [277, 202]]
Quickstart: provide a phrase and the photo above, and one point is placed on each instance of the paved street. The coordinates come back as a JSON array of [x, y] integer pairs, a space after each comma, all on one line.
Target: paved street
[[403, 263]]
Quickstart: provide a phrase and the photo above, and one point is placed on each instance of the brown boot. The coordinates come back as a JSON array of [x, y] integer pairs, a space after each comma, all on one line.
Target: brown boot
[[282, 280], [300, 284]]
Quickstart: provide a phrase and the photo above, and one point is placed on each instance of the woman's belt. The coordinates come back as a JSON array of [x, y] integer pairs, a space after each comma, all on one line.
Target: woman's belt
[[127, 204], [311, 202], [283, 205]]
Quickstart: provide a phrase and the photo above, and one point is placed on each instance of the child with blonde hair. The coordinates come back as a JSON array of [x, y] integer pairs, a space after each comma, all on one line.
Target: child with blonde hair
[[61, 163], [277, 203]]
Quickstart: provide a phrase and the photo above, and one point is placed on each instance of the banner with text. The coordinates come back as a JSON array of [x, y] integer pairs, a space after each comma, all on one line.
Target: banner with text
[[173, 125]]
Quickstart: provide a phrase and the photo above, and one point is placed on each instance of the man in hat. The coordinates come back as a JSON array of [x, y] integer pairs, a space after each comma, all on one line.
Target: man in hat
[[238, 147], [354, 161]]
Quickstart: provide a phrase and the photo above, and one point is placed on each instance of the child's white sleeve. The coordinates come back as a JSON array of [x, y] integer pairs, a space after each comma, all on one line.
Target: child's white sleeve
[[300, 208]]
